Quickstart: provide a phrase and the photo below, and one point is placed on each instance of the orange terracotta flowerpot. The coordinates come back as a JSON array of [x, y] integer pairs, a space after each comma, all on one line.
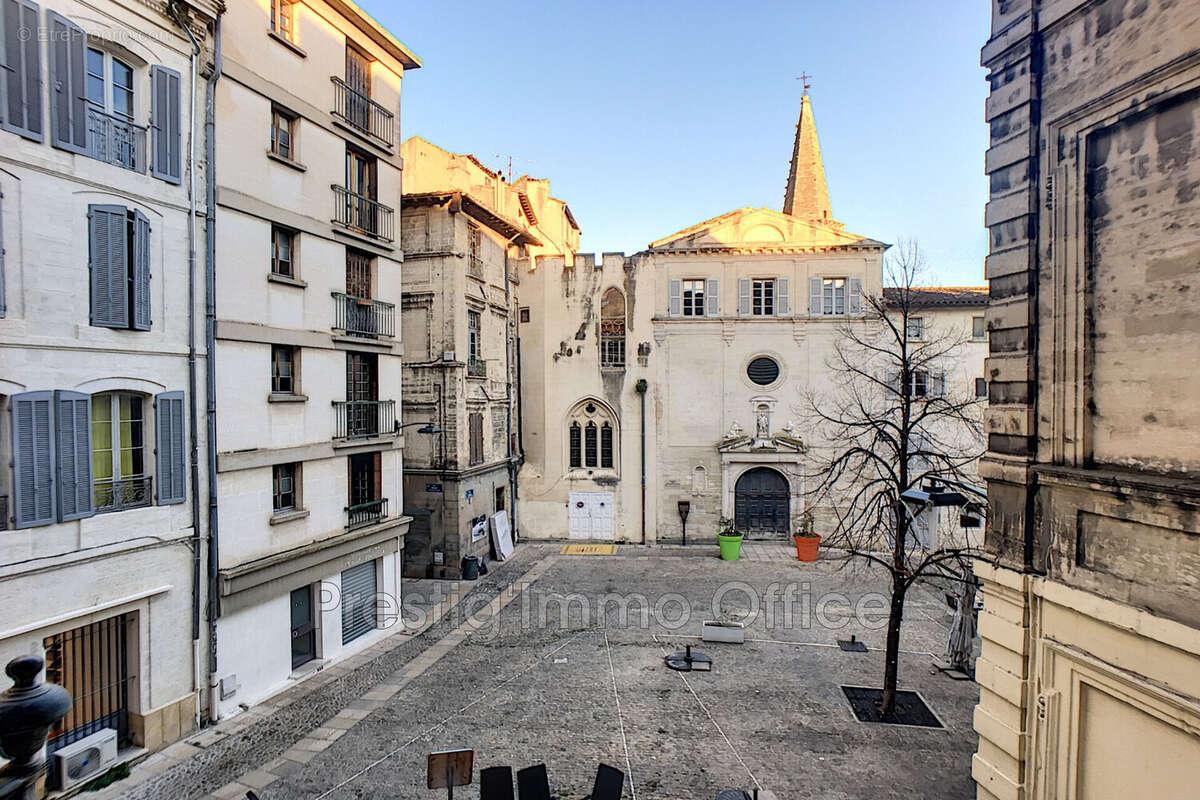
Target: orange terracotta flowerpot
[[806, 547]]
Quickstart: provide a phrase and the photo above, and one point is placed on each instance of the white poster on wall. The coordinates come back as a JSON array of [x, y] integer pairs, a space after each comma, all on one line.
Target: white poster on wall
[[502, 535], [479, 530]]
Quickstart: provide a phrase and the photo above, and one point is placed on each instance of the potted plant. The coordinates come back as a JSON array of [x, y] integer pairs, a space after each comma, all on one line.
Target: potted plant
[[730, 540], [807, 542]]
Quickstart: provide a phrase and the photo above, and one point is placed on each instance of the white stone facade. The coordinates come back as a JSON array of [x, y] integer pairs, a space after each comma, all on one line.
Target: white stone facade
[[308, 346], [95, 325]]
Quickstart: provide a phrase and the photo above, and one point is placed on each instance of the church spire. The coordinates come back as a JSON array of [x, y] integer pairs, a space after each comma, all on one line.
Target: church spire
[[807, 196]]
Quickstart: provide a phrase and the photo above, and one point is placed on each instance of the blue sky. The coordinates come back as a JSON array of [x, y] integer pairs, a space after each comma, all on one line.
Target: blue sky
[[648, 117]]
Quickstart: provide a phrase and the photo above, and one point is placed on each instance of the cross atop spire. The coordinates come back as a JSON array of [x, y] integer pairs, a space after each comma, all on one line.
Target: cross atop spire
[[807, 196], [804, 76]]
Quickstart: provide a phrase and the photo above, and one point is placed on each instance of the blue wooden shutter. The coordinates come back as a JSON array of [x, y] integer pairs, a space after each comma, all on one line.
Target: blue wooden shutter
[[141, 271], [169, 459], [21, 69], [108, 260], [743, 296], [674, 298], [68, 96], [33, 458], [854, 304], [782, 301], [73, 456], [165, 124], [712, 295], [814, 296]]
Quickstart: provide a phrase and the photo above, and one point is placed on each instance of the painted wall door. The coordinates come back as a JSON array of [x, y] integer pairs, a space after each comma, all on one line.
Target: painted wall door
[[590, 515]]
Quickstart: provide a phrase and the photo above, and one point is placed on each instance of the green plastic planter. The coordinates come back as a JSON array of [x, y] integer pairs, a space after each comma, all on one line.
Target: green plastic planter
[[731, 547]]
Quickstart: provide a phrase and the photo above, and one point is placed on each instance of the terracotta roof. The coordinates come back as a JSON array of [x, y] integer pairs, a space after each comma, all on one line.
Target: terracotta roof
[[942, 296]]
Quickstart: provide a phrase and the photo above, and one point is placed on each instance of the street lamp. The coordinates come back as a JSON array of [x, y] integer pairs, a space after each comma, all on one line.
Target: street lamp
[[426, 427]]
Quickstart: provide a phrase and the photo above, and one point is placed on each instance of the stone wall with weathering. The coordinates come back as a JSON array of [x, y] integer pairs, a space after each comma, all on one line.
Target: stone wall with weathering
[[1094, 433]]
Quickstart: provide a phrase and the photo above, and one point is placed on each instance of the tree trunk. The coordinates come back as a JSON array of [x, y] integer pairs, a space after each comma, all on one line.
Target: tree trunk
[[891, 667]]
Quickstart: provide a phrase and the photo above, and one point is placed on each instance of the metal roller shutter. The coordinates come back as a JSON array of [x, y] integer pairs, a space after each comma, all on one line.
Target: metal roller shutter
[[358, 601]]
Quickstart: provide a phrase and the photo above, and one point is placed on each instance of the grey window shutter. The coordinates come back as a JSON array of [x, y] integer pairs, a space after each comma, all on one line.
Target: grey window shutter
[[108, 261], [782, 300], [743, 296], [141, 271], [73, 456], [168, 447], [814, 296], [68, 100], [165, 124], [674, 298], [854, 302], [21, 69], [712, 295], [33, 458], [3, 304]]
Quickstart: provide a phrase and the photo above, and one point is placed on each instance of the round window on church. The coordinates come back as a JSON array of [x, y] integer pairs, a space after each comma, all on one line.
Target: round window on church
[[763, 371]]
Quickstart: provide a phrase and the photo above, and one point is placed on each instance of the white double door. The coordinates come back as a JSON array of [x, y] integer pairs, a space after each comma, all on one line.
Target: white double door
[[590, 515]]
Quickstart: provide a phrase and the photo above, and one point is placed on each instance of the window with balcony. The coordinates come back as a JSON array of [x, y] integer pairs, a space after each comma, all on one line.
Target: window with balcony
[[355, 312], [283, 252], [362, 414], [365, 492], [119, 477], [355, 205], [283, 134], [353, 105], [285, 370], [112, 134]]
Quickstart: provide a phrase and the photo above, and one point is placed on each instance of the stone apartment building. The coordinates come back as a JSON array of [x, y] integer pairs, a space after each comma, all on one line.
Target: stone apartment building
[[466, 234], [676, 377], [100, 527], [308, 354], [1090, 669]]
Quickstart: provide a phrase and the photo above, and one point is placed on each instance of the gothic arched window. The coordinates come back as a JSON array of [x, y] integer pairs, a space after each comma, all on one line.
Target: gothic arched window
[[591, 437], [612, 329]]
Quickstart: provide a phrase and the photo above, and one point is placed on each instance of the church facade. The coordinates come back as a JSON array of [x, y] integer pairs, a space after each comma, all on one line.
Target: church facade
[[671, 384]]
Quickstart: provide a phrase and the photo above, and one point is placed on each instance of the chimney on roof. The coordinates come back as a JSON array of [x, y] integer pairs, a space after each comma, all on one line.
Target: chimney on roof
[[807, 196]]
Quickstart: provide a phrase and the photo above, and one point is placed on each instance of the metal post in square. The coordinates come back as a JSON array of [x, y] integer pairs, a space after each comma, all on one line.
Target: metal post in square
[[450, 768]]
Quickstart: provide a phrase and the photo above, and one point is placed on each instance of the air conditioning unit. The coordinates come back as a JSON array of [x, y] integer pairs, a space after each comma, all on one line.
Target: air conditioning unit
[[83, 760]]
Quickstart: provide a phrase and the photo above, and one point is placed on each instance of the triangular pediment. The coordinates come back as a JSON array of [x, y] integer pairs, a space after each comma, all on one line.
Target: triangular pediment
[[761, 229]]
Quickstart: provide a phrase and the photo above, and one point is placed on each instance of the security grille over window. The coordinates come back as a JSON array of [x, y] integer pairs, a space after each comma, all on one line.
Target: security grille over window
[[612, 329], [763, 371], [92, 664], [358, 601]]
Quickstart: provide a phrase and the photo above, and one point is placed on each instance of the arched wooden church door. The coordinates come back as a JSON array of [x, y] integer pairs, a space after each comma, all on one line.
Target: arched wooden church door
[[761, 503]]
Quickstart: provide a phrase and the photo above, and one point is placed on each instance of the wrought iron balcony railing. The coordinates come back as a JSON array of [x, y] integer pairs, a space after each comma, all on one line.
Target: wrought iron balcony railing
[[362, 113], [362, 214], [362, 316], [114, 140], [363, 419], [366, 513], [476, 367], [118, 494]]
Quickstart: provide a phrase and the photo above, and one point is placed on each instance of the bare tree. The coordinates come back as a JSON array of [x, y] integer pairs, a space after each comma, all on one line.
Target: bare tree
[[891, 424]]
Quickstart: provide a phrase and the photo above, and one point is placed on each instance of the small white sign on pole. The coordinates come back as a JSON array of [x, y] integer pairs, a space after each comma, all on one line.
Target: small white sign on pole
[[502, 535]]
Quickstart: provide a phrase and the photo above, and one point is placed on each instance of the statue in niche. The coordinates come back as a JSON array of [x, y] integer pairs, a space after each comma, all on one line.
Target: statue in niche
[[763, 423]]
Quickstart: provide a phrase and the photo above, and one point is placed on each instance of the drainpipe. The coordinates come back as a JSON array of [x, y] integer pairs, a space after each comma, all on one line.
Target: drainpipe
[[210, 371], [194, 443], [509, 349], [641, 387]]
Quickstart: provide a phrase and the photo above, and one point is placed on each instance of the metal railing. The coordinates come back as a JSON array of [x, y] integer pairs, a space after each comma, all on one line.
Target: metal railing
[[362, 113], [361, 213], [362, 316], [476, 367], [366, 513], [362, 419], [118, 494], [115, 141]]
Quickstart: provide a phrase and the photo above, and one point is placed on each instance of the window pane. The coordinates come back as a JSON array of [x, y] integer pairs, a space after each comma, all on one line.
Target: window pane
[[95, 77], [102, 460], [576, 445], [122, 80], [978, 327], [589, 444], [606, 446]]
